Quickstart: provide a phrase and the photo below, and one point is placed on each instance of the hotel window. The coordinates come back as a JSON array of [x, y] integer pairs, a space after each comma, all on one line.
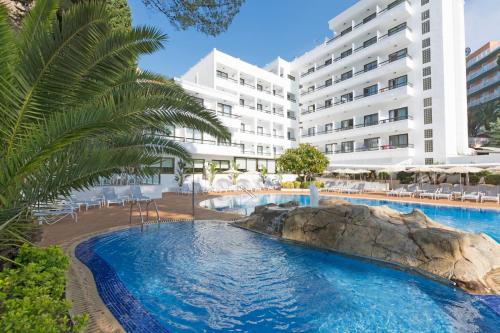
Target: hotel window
[[328, 62], [371, 90], [291, 77], [426, 27], [369, 17], [346, 98], [371, 119], [328, 127], [371, 144], [225, 109], [426, 71], [424, 2], [167, 166], [427, 82], [251, 164], [346, 124], [329, 148], [243, 126], [343, 32], [311, 108], [427, 116], [370, 41], [311, 88], [193, 135], [260, 130], [242, 81], [398, 82], [241, 163], [429, 161], [328, 82], [311, 131], [427, 102], [398, 114], [428, 133], [199, 166], [426, 43], [259, 106], [347, 147], [396, 29], [260, 150], [428, 146], [425, 15], [242, 102], [222, 74], [369, 66], [346, 53], [198, 100], [398, 141], [259, 87], [394, 4], [328, 103], [221, 165], [398, 55], [346, 75]]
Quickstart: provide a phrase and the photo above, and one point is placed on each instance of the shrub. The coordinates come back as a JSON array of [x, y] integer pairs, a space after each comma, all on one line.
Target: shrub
[[317, 183], [296, 184], [384, 175], [493, 179], [32, 293], [405, 177]]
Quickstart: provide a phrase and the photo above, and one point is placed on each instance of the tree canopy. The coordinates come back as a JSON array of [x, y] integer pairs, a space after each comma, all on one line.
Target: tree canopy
[[481, 117], [210, 17], [304, 161], [495, 133]]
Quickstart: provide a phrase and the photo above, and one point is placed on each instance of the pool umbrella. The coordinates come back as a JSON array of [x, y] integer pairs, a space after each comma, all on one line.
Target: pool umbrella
[[464, 169], [428, 169], [362, 172]]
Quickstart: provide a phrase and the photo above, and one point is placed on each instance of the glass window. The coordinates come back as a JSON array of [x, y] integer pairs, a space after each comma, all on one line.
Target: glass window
[[371, 144], [241, 163], [369, 17], [222, 74], [370, 41], [426, 27], [167, 166], [221, 164], [371, 119], [329, 148], [398, 55], [346, 98], [371, 65], [398, 141], [328, 61], [346, 75], [260, 150], [259, 87], [347, 147], [328, 127], [271, 166], [261, 164], [259, 106], [328, 103], [251, 164], [426, 56], [398, 114], [347, 124], [428, 133], [346, 53], [225, 109], [260, 130], [328, 82], [427, 116], [242, 81], [371, 90], [345, 31], [199, 166], [311, 131], [311, 107], [396, 29], [398, 82], [428, 146]]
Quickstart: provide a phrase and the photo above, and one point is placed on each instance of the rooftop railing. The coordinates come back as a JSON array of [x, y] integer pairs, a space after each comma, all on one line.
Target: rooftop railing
[[369, 148]]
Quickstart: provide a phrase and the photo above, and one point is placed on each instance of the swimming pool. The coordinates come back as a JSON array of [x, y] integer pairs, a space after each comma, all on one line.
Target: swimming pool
[[212, 277], [468, 219]]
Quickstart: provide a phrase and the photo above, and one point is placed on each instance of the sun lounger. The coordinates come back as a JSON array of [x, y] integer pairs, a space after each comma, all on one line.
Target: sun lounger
[[491, 196], [136, 194], [429, 194], [471, 196], [110, 196], [55, 212], [409, 192], [395, 192]]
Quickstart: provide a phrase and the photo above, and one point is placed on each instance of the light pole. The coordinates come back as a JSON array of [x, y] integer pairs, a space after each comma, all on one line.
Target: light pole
[[192, 197]]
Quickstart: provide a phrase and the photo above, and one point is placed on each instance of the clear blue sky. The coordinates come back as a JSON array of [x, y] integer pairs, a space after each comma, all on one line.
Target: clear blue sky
[[263, 30]]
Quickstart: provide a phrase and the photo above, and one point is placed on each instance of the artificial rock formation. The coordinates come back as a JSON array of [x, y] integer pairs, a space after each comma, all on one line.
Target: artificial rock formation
[[470, 260]]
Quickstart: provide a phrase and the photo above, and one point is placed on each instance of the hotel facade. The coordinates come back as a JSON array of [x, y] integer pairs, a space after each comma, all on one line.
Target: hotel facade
[[389, 87]]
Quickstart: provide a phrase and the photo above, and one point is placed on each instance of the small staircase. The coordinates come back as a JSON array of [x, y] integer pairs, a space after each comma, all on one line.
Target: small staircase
[[145, 219]]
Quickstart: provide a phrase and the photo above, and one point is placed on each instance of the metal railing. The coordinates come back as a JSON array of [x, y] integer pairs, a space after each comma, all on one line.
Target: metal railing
[[141, 216]]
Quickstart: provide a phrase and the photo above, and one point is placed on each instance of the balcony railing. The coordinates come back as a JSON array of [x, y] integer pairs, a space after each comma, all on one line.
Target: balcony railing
[[247, 131], [386, 9], [247, 85], [228, 115], [279, 113], [402, 28], [202, 141], [226, 78], [484, 84], [263, 134], [364, 148], [291, 115], [483, 70], [346, 128]]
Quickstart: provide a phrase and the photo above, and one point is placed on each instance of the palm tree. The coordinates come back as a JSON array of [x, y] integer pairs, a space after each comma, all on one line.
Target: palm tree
[[74, 107]]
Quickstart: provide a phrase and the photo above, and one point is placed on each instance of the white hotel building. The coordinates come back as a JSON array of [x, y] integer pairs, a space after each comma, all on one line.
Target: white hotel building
[[388, 88]]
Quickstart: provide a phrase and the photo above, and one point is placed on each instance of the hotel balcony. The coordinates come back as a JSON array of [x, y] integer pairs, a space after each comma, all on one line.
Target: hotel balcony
[[401, 37], [375, 155], [485, 83], [400, 9], [208, 147], [385, 126], [484, 70], [384, 95], [402, 64]]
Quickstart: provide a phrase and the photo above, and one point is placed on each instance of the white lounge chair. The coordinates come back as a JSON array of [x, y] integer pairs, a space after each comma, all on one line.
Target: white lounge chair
[[50, 213], [410, 191], [476, 196], [136, 194], [430, 193], [395, 192], [491, 196], [110, 196]]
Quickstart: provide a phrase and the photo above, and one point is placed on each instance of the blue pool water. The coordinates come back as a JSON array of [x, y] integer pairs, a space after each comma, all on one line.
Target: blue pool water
[[212, 277], [473, 220]]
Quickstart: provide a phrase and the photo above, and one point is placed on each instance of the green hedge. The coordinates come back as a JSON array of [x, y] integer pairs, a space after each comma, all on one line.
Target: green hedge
[[304, 185], [32, 293]]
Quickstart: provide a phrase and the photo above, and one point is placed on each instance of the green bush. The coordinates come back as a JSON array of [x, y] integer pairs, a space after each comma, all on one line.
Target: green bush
[[405, 177], [493, 179], [383, 175], [296, 184], [317, 183], [32, 293]]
